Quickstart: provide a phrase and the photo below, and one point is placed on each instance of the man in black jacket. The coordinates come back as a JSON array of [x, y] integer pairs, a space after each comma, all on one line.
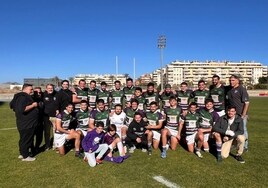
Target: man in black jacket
[[26, 118], [50, 112], [64, 96], [136, 136], [229, 130]]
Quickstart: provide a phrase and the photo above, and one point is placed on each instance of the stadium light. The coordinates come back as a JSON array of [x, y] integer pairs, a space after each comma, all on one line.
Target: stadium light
[[161, 45]]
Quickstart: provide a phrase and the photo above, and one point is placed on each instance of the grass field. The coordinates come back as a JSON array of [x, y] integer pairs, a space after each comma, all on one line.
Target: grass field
[[180, 167]]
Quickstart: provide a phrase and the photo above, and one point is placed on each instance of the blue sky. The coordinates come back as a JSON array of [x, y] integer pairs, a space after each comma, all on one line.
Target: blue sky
[[45, 38]]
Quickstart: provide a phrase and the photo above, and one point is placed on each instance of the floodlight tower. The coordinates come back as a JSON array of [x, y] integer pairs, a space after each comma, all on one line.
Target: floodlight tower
[[161, 45]]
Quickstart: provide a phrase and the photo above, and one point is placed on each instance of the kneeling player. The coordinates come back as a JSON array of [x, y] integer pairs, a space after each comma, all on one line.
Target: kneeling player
[[155, 121], [82, 117], [172, 114], [63, 133], [190, 123]]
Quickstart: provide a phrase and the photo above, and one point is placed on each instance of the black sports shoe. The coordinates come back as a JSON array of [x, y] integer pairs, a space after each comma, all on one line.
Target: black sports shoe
[[79, 155], [239, 159]]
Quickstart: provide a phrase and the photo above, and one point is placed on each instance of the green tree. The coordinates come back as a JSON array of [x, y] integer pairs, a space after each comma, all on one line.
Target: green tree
[[263, 80]]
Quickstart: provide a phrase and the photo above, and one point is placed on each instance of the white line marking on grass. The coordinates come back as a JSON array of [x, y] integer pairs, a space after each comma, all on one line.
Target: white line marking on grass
[[166, 182], [5, 129]]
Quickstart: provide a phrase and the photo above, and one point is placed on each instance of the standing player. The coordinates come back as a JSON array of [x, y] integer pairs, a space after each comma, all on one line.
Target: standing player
[[172, 115], [92, 95], [80, 94], [154, 120], [150, 95], [117, 94], [184, 95], [129, 91], [64, 96], [104, 94], [164, 97], [201, 94], [140, 98], [217, 93]]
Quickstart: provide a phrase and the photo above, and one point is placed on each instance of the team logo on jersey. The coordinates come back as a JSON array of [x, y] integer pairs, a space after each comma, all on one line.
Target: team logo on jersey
[[141, 128], [134, 129], [46, 99], [121, 119]]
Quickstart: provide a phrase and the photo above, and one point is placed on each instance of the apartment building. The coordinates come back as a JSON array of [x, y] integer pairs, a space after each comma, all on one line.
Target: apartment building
[[108, 78], [192, 71]]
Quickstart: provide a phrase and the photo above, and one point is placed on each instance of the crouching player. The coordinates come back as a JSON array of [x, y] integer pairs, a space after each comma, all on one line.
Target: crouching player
[[63, 133], [93, 145], [136, 136], [208, 117], [155, 121], [229, 130], [191, 123], [113, 140]]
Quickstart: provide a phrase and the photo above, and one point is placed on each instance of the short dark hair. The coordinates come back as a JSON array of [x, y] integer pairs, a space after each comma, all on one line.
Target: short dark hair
[[103, 83], [150, 84], [129, 79], [208, 100], [117, 81], [138, 114], [172, 97], [99, 124], [81, 80], [93, 81], [100, 101], [138, 89], [134, 100], [154, 103], [201, 81], [64, 81], [118, 105], [83, 101], [26, 85], [216, 76], [231, 107], [193, 104], [184, 83]]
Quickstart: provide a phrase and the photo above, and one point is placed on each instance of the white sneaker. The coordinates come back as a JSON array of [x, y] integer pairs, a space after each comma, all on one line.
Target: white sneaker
[[131, 150], [29, 159], [20, 157], [144, 150], [198, 153]]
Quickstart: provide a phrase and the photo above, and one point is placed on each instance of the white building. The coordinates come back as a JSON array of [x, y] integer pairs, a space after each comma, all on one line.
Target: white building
[[192, 71], [108, 78]]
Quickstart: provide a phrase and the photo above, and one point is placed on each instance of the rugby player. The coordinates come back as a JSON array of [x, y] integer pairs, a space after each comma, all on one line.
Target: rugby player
[[201, 94], [99, 114]]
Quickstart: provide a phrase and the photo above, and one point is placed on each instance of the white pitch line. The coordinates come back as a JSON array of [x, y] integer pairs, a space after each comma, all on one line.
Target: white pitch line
[[166, 182], [5, 129]]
